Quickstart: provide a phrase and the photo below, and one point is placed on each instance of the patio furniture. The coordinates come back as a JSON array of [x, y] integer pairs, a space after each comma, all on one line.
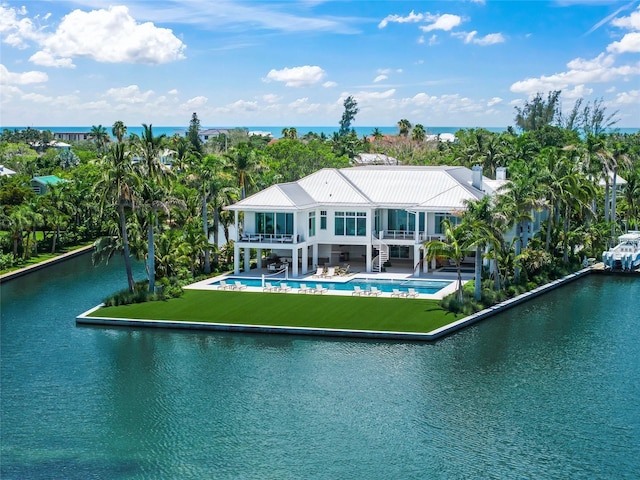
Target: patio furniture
[[320, 289], [411, 293], [303, 288], [319, 273], [223, 285], [398, 293], [331, 272], [268, 287], [239, 286], [375, 292], [358, 291], [284, 288]]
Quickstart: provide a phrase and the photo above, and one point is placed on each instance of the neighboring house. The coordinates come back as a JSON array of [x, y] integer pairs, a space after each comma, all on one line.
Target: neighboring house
[[71, 136], [6, 172], [369, 213], [373, 159], [41, 185]]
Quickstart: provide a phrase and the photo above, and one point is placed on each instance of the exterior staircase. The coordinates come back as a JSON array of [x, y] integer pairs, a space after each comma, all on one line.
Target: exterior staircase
[[383, 254]]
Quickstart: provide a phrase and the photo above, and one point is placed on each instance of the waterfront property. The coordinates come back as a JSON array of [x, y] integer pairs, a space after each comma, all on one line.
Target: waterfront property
[[368, 214]]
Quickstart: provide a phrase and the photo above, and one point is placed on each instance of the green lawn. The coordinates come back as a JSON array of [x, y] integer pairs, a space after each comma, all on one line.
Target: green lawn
[[292, 310]]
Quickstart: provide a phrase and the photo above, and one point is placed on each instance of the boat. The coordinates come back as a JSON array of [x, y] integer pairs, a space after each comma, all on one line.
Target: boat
[[626, 255]]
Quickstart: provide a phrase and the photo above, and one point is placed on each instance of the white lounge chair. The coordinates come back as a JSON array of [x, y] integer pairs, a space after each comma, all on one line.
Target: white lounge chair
[[284, 287], [375, 292], [303, 288], [239, 286], [411, 293], [397, 293], [357, 291], [320, 289], [223, 285], [319, 273], [268, 287], [331, 272]]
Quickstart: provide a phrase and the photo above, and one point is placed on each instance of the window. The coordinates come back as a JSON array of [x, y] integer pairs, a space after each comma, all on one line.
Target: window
[[269, 223], [440, 217], [312, 224], [401, 220], [351, 224], [323, 219]]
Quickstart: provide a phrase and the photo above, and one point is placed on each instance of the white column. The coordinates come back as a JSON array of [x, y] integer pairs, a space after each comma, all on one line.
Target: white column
[[247, 260], [236, 259], [315, 254], [368, 258], [294, 260], [236, 217], [259, 261], [416, 260], [305, 260]]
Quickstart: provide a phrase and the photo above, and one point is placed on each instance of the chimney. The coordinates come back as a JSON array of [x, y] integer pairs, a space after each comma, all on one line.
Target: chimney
[[501, 173], [476, 177]]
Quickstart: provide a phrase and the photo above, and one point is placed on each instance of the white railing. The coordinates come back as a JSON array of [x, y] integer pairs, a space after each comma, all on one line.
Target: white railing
[[269, 238]]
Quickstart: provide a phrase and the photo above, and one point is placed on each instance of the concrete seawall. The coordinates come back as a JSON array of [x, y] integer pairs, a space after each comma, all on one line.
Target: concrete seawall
[[85, 319], [46, 263]]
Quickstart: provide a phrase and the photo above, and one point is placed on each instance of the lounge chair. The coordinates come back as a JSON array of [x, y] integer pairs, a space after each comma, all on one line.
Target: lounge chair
[[223, 285], [303, 288], [320, 289], [375, 292], [239, 286], [357, 291], [411, 293], [397, 293], [284, 288], [319, 273], [331, 272], [268, 287]]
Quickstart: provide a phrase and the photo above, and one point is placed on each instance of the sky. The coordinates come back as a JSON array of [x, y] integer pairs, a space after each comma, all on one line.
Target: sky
[[293, 63]]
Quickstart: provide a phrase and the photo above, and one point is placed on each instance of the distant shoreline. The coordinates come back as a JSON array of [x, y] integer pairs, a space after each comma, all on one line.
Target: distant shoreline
[[276, 131]]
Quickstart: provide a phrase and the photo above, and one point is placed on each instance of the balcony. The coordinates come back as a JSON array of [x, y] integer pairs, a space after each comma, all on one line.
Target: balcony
[[268, 238]]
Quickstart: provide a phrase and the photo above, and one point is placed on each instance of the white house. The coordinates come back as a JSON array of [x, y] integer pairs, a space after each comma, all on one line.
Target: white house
[[369, 214]]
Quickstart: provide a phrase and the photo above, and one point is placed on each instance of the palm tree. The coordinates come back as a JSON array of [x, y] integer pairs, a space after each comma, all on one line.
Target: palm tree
[[404, 127], [377, 134], [454, 247], [149, 148], [100, 136], [418, 133], [118, 188], [119, 130], [243, 162], [19, 219]]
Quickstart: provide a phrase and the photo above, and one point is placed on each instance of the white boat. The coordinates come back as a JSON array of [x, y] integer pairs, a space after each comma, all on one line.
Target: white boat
[[625, 255]]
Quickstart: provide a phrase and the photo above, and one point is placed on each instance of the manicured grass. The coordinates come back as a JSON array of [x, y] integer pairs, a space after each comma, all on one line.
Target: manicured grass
[[42, 257], [291, 310]]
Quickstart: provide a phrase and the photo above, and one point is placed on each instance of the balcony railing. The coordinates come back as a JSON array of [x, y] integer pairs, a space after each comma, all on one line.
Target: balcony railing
[[406, 235], [269, 238]]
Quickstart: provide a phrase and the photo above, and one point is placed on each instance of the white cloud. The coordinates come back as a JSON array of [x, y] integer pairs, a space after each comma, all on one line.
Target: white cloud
[[271, 98], [130, 94], [173, 91], [17, 32], [411, 18], [110, 36], [24, 78], [380, 78], [471, 37], [302, 105], [626, 98], [598, 70], [494, 101], [579, 91], [329, 84], [45, 59], [195, 102], [297, 76], [632, 22], [630, 43], [445, 22]]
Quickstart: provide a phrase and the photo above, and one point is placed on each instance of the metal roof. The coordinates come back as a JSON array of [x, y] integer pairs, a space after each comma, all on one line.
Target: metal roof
[[438, 188]]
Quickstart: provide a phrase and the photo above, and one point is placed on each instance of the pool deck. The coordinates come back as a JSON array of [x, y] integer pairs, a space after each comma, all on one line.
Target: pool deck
[[86, 319], [311, 280]]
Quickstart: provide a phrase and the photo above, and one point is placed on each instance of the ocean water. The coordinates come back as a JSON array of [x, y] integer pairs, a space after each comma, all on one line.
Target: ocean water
[[276, 132], [549, 389]]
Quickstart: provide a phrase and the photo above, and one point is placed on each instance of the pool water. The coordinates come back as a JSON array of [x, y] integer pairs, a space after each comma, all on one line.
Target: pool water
[[428, 287]]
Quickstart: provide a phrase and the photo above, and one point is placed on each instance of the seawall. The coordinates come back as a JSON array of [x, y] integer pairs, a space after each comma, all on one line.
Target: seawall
[[46, 263]]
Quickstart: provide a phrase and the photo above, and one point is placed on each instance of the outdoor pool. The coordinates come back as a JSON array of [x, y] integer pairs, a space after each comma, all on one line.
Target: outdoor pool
[[428, 287]]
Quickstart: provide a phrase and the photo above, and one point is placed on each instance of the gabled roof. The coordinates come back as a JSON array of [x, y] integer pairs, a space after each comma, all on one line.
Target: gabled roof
[[439, 188], [48, 180]]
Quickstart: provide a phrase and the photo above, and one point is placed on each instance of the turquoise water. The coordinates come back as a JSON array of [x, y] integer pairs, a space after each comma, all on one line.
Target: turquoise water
[[421, 286], [548, 390]]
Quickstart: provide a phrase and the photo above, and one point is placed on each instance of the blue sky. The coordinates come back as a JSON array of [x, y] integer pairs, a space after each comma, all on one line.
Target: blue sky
[[292, 63]]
